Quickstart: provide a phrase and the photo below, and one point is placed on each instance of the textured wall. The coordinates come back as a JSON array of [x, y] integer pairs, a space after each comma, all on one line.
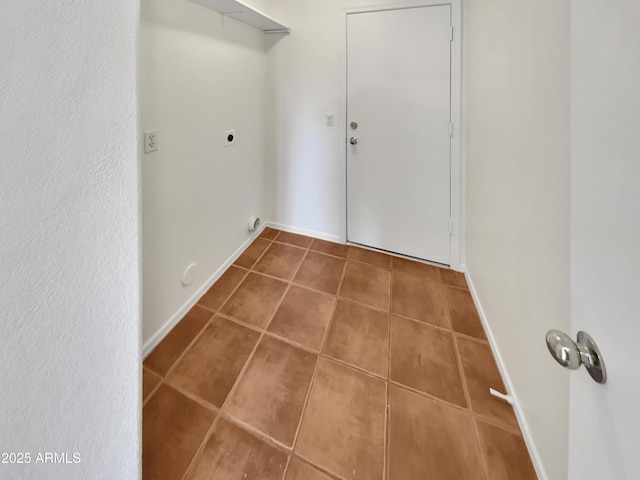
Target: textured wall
[[518, 201], [198, 78], [69, 255]]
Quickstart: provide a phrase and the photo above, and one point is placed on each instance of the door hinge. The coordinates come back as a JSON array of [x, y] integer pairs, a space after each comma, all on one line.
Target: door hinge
[[451, 226], [451, 129], [451, 38]]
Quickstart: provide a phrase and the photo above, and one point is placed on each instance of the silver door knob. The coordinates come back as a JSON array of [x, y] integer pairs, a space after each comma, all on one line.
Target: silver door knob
[[353, 140], [572, 354]]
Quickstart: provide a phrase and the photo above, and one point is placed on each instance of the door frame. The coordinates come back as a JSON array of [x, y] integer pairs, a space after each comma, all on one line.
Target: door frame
[[458, 209]]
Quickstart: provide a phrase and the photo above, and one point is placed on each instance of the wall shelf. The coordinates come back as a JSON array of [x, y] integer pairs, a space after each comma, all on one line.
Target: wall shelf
[[245, 14]]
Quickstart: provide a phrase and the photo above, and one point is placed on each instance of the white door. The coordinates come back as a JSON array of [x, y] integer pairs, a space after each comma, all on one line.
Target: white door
[[399, 94], [604, 432]]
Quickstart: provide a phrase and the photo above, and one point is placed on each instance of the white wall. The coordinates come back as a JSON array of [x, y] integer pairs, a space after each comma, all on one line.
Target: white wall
[[69, 256], [605, 234], [518, 201], [518, 155], [306, 79], [198, 80], [305, 157]]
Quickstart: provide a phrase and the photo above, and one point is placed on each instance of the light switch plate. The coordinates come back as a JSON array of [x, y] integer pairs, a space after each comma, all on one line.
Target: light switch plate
[[331, 119]]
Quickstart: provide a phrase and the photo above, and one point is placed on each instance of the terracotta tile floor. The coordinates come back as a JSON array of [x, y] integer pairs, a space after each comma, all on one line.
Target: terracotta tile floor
[[309, 360]]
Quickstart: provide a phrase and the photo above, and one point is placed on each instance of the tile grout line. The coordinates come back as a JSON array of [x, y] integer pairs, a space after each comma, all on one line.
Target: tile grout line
[[467, 394], [361, 262], [497, 424], [307, 287], [245, 367], [286, 340], [446, 308], [387, 411], [483, 459], [327, 253], [153, 390], [245, 271], [291, 451], [422, 322], [203, 403], [255, 347], [186, 349], [354, 367], [320, 355], [317, 366], [273, 443], [461, 372], [286, 468], [256, 432], [242, 323], [291, 342], [428, 396], [242, 371], [445, 403], [286, 291], [196, 336], [193, 396], [281, 242], [234, 290], [270, 242], [198, 399], [437, 327], [201, 448], [481, 341]]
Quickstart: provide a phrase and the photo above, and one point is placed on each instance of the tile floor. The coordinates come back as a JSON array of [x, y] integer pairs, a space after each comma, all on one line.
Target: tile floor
[[309, 360]]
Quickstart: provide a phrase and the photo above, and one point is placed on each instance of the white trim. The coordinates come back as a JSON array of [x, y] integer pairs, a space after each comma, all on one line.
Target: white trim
[[464, 89], [458, 204], [189, 304], [456, 141], [303, 231], [182, 311], [520, 416]]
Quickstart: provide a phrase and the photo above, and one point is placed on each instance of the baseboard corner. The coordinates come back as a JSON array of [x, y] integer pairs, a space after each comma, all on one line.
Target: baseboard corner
[[520, 415]]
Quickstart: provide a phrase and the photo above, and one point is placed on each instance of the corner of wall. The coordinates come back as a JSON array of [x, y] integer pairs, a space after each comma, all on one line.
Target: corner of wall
[[198, 79], [520, 415]]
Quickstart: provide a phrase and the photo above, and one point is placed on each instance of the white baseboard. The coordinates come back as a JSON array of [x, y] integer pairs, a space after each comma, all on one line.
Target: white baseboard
[[166, 328], [520, 416], [303, 231]]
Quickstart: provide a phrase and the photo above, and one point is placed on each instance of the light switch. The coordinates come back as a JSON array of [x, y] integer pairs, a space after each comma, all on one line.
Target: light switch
[[330, 119]]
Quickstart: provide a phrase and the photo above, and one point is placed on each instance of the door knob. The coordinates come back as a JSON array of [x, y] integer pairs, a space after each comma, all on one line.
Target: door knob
[[353, 140], [572, 354]]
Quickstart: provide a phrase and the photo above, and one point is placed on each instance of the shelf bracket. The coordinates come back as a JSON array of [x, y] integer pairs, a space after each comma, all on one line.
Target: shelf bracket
[[224, 16]]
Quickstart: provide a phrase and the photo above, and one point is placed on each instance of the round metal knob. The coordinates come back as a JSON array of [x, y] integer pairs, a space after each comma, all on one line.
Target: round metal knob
[[353, 140], [563, 349], [572, 354]]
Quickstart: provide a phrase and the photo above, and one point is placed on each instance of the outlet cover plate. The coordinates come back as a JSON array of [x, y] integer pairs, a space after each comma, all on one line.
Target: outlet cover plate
[[150, 141]]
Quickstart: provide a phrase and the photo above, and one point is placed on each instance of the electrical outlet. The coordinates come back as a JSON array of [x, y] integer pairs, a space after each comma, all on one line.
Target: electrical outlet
[[229, 138], [150, 141]]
